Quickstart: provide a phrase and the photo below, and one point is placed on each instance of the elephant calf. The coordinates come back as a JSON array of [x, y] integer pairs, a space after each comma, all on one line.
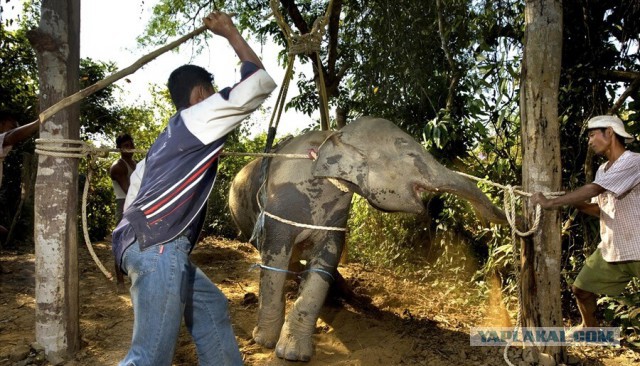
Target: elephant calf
[[371, 157]]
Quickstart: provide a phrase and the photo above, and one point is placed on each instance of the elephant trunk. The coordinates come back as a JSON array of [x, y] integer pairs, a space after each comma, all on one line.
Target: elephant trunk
[[467, 189]]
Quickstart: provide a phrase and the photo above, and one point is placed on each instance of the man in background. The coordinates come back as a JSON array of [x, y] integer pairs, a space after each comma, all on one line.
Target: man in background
[[120, 172]]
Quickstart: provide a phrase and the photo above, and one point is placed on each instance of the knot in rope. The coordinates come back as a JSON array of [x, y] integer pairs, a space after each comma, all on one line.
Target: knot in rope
[[55, 148], [510, 204], [510, 212], [78, 149], [307, 43]]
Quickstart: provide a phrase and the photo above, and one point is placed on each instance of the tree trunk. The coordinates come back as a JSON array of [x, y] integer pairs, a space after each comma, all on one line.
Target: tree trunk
[[541, 170], [57, 45], [341, 117]]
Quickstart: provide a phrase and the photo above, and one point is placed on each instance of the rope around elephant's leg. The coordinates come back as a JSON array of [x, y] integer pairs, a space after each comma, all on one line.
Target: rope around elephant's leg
[[297, 274]]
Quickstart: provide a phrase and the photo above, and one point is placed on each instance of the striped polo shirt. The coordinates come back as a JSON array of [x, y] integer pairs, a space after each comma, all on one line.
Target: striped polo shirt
[[620, 208]]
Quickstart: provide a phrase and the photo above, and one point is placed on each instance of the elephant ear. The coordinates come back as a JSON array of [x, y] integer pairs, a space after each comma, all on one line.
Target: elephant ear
[[337, 159]]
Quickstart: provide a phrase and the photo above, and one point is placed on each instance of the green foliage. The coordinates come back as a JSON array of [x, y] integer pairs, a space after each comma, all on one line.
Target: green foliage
[[624, 311], [100, 199], [384, 239], [18, 66], [18, 96]]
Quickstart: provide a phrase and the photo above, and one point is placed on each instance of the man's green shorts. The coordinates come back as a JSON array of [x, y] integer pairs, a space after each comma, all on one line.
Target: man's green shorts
[[606, 278]]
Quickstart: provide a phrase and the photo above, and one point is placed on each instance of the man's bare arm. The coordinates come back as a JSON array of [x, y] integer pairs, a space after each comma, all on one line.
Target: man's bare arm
[[119, 173], [578, 198], [588, 208], [19, 134], [220, 23]]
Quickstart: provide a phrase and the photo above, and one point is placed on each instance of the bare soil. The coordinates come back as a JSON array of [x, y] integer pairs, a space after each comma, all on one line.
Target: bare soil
[[407, 322]]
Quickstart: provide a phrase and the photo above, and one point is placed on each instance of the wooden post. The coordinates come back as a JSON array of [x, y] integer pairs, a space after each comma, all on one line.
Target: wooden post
[[57, 45], [541, 170]]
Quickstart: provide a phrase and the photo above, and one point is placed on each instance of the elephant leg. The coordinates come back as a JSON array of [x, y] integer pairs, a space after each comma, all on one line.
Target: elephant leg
[[296, 337], [275, 253], [271, 304]]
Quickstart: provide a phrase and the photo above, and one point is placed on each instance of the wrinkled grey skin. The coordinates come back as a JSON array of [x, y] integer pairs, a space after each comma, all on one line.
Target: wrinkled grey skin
[[375, 159]]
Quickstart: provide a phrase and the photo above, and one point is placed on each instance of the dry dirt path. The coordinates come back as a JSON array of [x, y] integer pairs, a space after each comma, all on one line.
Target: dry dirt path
[[410, 322]]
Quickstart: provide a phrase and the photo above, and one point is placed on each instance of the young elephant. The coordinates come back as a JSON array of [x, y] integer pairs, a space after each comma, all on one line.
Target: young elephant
[[371, 157]]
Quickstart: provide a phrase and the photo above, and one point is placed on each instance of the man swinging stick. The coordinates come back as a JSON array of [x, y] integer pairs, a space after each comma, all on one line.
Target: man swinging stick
[[160, 227]]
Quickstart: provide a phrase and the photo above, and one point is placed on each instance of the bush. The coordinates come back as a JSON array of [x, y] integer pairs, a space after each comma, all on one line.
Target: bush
[[101, 207]]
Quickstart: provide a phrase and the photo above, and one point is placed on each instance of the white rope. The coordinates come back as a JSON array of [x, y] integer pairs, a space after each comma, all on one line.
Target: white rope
[[510, 213], [510, 204], [50, 147], [267, 155], [306, 226], [85, 231]]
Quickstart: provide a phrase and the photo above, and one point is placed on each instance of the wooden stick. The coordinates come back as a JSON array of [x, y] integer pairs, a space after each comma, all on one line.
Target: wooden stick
[[76, 97], [630, 90]]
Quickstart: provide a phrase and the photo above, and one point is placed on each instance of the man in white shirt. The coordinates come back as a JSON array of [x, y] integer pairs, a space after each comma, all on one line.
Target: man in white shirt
[[616, 196]]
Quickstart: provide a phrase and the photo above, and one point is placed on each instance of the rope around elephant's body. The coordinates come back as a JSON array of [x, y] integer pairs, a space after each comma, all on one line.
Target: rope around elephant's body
[[304, 226]]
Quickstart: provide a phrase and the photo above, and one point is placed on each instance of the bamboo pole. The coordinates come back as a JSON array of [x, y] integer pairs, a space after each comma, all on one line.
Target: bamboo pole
[[76, 97]]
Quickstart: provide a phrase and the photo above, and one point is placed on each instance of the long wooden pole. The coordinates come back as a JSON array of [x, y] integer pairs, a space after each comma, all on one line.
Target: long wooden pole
[[76, 97]]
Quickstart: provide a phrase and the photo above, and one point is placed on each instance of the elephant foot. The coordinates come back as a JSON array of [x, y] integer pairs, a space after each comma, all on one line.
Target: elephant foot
[[265, 337], [294, 348]]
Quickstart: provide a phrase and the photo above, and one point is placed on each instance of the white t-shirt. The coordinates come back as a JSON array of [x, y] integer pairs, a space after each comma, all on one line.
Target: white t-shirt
[[134, 184], [117, 190], [4, 151], [620, 208]]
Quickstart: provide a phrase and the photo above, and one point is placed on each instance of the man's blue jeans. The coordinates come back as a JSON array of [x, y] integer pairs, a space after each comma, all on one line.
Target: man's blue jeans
[[165, 285]]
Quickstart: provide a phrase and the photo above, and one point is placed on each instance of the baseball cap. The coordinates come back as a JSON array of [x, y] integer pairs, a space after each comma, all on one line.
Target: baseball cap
[[610, 121]]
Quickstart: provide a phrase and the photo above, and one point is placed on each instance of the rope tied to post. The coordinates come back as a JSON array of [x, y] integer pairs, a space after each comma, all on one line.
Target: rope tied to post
[[510, 212], [74, 149], [510, 204]]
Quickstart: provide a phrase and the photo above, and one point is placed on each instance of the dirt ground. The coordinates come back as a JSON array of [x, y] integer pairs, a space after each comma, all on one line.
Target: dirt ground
[[408, 322]]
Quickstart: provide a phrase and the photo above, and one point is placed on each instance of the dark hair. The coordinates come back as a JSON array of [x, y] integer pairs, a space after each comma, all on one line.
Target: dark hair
[[122, 138], [182, 81], [620, 139]]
